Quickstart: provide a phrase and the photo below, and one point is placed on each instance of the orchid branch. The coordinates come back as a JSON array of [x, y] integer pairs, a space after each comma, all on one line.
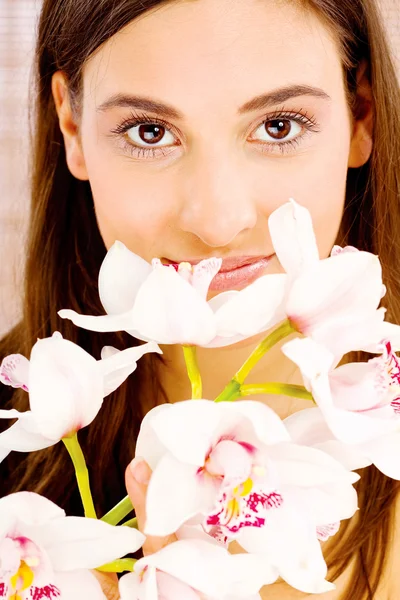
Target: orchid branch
[[296, 391], [82, 475], [118, 566], [193, 371], [232, 390], [119, 512]]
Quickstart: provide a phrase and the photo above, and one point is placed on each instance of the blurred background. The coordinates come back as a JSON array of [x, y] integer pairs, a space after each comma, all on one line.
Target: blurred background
[[17, 33]]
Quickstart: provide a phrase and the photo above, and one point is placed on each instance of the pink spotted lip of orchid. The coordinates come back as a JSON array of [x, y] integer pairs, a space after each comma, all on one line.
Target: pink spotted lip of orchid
[[45, 555], [66, 390], [195, 570], [231, 469], [358, 415], [168, 304]]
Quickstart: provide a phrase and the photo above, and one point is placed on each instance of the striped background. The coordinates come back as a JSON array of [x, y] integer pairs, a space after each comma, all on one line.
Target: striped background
[[17, 31]]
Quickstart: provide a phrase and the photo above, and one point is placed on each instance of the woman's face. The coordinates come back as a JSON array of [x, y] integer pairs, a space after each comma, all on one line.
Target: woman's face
[[200, 118]]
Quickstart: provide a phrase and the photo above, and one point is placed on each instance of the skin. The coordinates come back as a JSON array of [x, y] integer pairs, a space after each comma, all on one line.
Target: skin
[[222, 173]]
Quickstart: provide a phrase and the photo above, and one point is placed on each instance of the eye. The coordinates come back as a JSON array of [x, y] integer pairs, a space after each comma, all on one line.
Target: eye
[[153, 134], [279, 130]]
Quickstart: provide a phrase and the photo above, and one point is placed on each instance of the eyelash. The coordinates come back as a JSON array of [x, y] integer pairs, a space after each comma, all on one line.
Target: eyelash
[[301, 117]]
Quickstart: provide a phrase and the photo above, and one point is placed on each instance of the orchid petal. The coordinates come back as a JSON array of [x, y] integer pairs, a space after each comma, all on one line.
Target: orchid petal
[[66, 392], [384, 453], [267, 425], [304, 467], [186, 429], [80, 543], [246, 315], [230, 460], [104, 323], [293, 237], [351, 456], [200, 565], [79, 585], [139, 585], [14, 371], [170, 588], [184, 493], [347, 284], [121, 275], [148, 444], [31, 508], [203, 274], [169, 310], [23, 436], [312, 358], [118, 366]]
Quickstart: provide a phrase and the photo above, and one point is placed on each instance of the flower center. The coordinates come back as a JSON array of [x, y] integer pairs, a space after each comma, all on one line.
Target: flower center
[[21, 581], [388, 375]]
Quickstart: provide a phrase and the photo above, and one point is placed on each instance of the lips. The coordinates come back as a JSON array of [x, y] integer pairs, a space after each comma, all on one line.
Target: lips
[[228, 264]]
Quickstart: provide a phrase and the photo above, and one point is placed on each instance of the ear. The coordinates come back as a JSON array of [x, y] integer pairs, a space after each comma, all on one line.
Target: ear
[[69, 127], [363, 120]]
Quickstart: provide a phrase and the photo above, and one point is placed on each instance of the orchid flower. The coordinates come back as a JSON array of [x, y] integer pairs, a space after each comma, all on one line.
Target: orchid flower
[[169, 305], [196, 570], [45, 555], [358, 414], [232, 467], [335, 300], [66, 388]]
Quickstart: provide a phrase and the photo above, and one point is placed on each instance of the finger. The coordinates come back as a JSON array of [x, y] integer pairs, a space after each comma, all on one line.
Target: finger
[[109, 584], [137, 477]]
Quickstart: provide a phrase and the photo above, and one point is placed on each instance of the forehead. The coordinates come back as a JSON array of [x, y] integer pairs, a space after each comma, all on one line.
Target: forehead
[[201, 51]]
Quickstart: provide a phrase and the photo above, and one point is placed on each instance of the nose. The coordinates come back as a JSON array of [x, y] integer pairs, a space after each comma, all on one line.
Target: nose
[[216, 200]]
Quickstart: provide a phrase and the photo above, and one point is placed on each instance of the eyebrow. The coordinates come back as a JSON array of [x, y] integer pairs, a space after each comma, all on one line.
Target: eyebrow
[[262, 101]]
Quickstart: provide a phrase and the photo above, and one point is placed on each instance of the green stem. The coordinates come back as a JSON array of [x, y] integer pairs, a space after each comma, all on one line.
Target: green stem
[[82, 475], [119, 512], [118, 566], [192, 367], [296, 391], [131, 523], [232, 390]]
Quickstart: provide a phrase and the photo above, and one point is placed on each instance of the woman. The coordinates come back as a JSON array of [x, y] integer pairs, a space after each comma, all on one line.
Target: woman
[[177, 128]]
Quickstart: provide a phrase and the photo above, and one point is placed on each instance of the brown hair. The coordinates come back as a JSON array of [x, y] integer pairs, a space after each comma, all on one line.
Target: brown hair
[[65, 252]]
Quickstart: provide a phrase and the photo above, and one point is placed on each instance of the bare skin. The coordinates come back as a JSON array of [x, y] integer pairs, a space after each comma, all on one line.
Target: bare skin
[[209, 185]]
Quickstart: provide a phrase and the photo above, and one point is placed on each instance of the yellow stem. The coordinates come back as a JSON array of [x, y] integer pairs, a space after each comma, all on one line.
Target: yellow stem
[[119, 512], [192, 367], [296, 391], [118, 566], [82, 475]]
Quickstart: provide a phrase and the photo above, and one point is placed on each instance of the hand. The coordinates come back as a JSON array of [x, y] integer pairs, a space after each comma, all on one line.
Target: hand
[[137, 477]]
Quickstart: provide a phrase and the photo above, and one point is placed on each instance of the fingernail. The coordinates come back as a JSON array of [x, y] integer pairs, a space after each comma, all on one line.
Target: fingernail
[[140, 470]]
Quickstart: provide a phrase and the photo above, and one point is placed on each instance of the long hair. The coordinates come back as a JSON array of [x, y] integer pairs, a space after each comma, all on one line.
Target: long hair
[[65, 251]]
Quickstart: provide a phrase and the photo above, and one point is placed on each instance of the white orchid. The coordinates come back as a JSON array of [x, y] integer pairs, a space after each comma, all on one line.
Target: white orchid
[[358, 414], [232, 468], [66, 388], [196, 570], [46, 555], [168, 305]]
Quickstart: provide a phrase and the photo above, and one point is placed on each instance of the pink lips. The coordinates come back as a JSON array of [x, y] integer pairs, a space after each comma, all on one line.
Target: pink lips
[[236, 273]]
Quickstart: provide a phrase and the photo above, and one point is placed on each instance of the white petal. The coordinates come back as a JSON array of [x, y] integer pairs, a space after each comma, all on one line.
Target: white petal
[[14, 371], [351, 456], [79, 543], [79, 585], [308, 427], [139, 585], [120, 322], [187, 429], [117, 367], [171, 588], [293, 237], [312, 359], [200, 565], [176, 493], [347, 284], [268, 426], [23, 436], [304, 467], [148, 444], [121, 275], [384, 453], [203, 273], [170, 311], [254, 309], [31, 508], [66, 392]]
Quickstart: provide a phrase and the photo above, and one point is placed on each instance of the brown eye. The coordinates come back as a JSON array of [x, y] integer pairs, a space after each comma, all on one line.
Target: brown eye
[[154, 134], [151, 133], [279, 129]]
